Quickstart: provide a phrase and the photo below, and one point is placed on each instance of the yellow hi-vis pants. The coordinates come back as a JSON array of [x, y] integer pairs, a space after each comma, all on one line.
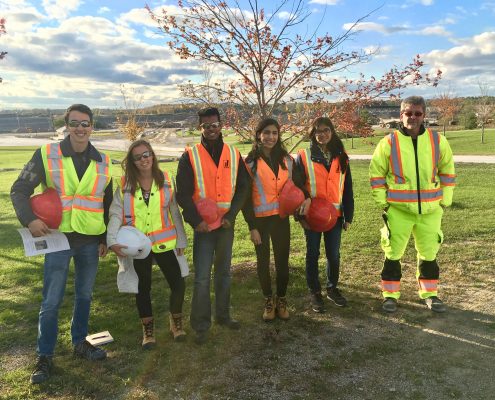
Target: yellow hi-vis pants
[[428, 236]]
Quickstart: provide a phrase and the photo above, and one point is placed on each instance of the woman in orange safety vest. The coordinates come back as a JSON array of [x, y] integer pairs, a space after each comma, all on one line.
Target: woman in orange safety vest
[[270, 167], [325, 166], [146, 201]]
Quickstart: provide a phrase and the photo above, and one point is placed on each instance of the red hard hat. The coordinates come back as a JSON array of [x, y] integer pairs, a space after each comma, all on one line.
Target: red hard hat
[[208, 210], [322, 215], [289, 199], [47, 206]]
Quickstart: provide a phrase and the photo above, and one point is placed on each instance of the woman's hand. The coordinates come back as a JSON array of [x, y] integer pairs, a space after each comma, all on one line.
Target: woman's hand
[[179, 251], [255, 237], [304, 207], [117, 249]]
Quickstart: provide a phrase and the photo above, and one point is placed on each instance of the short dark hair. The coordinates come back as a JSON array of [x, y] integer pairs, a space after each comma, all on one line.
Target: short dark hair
[[208, 112], [81, 108], [413, 101]]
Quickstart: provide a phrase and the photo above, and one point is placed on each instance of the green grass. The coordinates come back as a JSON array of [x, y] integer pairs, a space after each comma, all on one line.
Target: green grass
[[345, 353]]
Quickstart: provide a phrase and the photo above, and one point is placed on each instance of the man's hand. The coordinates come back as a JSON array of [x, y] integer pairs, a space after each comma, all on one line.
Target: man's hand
[[304, 207], [117, 249], [179, 251], [226, 223], [38, 228], [255, 237], [202, 227], [102, 250]]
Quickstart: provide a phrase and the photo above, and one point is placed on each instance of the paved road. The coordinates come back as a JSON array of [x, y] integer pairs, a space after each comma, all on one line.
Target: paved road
[[176, 148]]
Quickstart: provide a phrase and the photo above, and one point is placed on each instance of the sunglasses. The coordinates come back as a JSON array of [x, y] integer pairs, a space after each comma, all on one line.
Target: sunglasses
[[138, 157], [74, 124], [214, 125], [410, 113]]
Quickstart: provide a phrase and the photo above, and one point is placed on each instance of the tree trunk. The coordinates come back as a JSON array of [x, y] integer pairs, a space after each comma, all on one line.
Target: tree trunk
[[483, 134]]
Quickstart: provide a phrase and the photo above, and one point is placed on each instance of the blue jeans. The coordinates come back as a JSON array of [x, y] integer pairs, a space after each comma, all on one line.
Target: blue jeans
[[332, 251], [55, 273], [212, 248]]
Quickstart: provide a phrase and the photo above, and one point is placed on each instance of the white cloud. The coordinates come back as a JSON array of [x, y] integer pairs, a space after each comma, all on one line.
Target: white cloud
[[467, 63], [284, 15], [103, 10], [373, 26], [60, 9], [434, 31]]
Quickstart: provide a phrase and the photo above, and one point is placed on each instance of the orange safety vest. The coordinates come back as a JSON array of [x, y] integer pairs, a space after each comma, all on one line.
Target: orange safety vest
[[323, 183], [153, 219], [266, 186], [210, 181]]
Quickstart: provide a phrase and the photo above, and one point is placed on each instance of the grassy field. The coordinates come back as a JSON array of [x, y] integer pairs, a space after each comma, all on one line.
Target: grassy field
[[352, 353]]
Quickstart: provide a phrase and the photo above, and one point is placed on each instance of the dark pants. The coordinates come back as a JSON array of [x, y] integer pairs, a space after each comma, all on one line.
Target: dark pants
[[211, 248], [171, 270], [278, 230], [332, 251]]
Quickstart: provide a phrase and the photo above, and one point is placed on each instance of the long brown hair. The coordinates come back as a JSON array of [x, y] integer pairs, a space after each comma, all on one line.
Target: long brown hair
[[335, 145], [131, 172]]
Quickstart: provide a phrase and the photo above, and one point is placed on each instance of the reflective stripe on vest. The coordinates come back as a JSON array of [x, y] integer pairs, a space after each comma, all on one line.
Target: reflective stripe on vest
[[408, 196], [378, 182], [210, 179], [164, 229], [82, 200], [435, 153], [395, 159], [262, 207], [334, 198], [447, 179]]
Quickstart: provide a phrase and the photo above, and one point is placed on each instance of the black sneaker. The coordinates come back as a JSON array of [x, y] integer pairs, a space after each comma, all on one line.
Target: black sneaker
[[229, 323], [42, 369], [389, 305], [435, 304], [334, 294], [317, 302], [86, 350]]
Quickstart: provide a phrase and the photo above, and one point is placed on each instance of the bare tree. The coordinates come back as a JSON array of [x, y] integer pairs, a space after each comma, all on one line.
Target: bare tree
[[265, 67], [448, 105], [484, 109], [133, 100]]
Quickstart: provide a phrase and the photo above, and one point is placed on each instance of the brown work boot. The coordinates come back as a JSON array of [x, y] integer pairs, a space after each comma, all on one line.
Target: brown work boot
[[269, 310], [176, 327], [282, 311], [148, 333]]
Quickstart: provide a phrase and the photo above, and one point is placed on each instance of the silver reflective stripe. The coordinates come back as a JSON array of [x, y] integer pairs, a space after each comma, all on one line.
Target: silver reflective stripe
[[311, 173], [199, 172], [266, 207], [162, 236], [88, 204], [127, 201], [395, 158]]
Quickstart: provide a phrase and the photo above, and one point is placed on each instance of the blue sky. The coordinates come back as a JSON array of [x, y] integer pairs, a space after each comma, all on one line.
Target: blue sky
[[67, 51]]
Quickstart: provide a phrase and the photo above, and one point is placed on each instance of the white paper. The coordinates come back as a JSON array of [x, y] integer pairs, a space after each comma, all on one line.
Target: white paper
[[100, 338], [34, 246]]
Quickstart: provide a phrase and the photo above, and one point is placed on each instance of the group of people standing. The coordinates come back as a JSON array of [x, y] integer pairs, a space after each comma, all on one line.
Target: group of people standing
[[411, 173]]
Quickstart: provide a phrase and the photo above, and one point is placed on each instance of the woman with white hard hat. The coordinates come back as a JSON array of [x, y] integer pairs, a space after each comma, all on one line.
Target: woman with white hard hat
[[145, 226]]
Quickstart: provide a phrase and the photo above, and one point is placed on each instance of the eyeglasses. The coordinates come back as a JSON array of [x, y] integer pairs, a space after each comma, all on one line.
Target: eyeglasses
[[214, 125], [323, 131], [410, 113], [74, 123], [138, 157]]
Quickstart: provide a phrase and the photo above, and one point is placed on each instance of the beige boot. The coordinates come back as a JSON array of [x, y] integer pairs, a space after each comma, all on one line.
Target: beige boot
[[148, 333], [176, 327], [269, 310], [282, 311]]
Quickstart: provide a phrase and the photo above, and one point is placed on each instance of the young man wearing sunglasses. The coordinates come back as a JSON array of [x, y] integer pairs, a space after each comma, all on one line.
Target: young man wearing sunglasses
[[211, 171], [82, 177], [412, 179]]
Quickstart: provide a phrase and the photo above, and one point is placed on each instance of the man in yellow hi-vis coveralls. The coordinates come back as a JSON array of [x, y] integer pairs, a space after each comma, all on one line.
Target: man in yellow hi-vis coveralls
[[412, 178]]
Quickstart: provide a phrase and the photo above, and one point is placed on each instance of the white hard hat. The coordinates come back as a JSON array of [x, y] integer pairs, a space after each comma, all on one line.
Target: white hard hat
[[138, 244]]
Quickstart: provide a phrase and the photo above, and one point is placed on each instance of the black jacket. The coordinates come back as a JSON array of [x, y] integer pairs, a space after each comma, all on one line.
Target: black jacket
[[33, 174], [185, 184], [348, 195]]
